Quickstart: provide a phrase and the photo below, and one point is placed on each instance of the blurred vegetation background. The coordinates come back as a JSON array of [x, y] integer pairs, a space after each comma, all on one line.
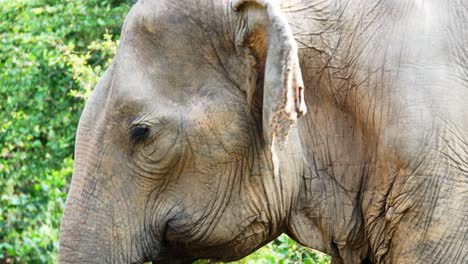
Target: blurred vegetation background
[[51, 55]]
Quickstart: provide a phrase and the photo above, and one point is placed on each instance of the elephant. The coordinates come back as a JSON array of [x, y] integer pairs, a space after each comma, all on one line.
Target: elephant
[[220, 125]]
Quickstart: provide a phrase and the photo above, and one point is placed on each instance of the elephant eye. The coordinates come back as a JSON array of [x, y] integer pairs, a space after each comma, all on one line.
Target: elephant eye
[[139, 133]]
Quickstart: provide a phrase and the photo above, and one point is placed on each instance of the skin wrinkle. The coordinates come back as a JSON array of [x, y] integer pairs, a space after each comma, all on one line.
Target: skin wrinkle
[[222, 204], [373, 117]]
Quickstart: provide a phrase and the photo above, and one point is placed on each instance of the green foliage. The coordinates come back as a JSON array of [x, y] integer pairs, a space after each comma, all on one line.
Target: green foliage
[[283, 250], [51, 54], [49, 63]]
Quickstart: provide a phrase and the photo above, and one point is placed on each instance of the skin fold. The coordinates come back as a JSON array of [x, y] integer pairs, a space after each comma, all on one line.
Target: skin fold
[[193, 144]]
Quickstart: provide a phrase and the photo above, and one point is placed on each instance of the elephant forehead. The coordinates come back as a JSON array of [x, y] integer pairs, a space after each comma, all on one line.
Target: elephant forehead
[[159, 16], [148, 13], [178, 49]]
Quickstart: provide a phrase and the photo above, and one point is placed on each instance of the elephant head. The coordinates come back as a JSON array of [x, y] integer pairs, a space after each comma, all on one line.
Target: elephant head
[[181, 150]]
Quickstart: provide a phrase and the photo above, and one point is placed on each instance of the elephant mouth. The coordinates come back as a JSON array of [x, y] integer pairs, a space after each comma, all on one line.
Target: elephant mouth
[[172, 260], [252, 231], [166, 255]]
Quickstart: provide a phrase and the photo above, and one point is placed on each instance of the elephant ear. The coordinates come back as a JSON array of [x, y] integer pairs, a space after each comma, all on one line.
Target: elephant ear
[[283, 88]]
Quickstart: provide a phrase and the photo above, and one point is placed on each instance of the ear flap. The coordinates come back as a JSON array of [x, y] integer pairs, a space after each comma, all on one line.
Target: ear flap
[[283, 90]]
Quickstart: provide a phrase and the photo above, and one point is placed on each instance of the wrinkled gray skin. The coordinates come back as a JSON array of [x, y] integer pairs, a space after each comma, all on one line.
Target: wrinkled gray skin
[[173, 162]]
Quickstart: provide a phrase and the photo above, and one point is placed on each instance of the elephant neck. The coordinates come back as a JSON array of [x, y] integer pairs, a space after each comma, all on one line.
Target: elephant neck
[[328, 218]]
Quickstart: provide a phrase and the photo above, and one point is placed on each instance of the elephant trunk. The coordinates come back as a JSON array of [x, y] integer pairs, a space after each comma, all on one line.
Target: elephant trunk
[[97, 225], [83, 228]]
